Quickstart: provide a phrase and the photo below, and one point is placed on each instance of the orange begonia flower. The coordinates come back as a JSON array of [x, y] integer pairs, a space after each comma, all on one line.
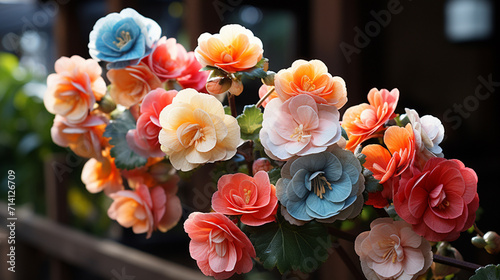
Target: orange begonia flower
[[73, 90], [365, 121], [311, 78], [102, 175], [234, 49], [130, 84], [388, 163]]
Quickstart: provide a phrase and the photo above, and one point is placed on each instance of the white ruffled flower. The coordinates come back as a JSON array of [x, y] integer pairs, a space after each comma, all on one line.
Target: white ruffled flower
[[429, 131]]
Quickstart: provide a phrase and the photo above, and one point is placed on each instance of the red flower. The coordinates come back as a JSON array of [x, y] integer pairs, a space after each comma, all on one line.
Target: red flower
[[168, 59], [440, 201], [253, 198], [219, 247], [192, 77]]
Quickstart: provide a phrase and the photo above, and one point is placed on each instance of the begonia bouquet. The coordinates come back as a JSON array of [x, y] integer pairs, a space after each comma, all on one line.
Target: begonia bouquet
[[303, 168]]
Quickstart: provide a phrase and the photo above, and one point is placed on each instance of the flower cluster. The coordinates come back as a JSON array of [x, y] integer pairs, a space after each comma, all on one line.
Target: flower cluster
[[302, 167]]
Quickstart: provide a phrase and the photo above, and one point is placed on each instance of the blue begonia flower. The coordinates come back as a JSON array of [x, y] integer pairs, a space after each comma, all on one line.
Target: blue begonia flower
[[326, 187], [123, 39]]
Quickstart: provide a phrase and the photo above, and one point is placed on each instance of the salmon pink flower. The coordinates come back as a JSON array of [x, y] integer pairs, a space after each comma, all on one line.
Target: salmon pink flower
[[311, 78], [143, 209], [252, 198], [102, 175], [73, 90], [440, 201], [195, 130], [299, 126], [84, 139], [219, 247], [263, 90], [392, 250], [234, 49], [168, 60], [123, 38], [365, 121], [130, 84], [386, 164], [144, 139], [192, 77]]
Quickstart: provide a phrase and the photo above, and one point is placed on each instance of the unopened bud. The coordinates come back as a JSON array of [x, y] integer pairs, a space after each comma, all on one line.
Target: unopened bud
[[236, 87], [218, 85], [269, 79], [261, 164], [492, 242]]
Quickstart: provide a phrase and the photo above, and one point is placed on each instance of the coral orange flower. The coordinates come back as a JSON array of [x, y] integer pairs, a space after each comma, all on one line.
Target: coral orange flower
[[311, 78], [254, 198], [195, 130], [130, 84], [144, 139], [440, 201], [386, 164], [102, 175], [219, 247], [234, 49], [392, 250], [84, 139], [365, 121], [73, 90], [168, 59]]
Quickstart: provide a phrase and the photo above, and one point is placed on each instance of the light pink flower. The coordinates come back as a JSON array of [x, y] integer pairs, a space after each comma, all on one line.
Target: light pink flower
[[254, 198], [298, 126], [392, 250], [219, 247], [144, 139], [73, 90], [84, 139], [168, 60], [263, 90]]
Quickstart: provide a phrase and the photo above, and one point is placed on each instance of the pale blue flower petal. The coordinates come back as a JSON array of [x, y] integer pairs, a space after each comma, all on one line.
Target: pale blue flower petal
[[297, 185], [321, 208], [351, 171], [341, 189], [298, 210]]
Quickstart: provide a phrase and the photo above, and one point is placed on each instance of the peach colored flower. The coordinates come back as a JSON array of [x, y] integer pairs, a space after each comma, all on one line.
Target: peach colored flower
[[129, 85], [168, 60], [299, 126], [440, 201], [234, 49], [144, 139], [311, 78], [195, 130], [263, 90], [143, 209], [84, 139], [219, 247], [386, 164], [365, 121], [192, 77], [73, 90], [102, 175], [392, 250], [254, 198]]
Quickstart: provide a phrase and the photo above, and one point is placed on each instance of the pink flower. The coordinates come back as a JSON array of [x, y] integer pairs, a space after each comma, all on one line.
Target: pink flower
[[252, 198], [298, 126], [263, 90], [143, 209], [392, 250], [84, 139], [440, 201], [219, 247], [192, 77], [102, 175], [168, 60], [73, 90], [144, 139]]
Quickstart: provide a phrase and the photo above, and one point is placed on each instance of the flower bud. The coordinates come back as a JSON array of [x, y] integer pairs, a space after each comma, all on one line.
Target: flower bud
[[478, 241], [261, 164], [106, 104], [218, 85], [236, 87], [269, 79], [493, 242], [441, 270]]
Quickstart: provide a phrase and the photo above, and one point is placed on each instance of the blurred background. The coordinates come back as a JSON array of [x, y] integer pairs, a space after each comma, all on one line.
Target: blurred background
[[442, 56]]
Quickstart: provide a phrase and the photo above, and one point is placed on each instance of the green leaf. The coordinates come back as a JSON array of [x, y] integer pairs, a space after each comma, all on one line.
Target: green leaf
[[289, 247], [371, 184], [117, 130], [344, 134], [250, 122], [489, 272], [209, 68], [252, 73], [274, 175], [361, 158]]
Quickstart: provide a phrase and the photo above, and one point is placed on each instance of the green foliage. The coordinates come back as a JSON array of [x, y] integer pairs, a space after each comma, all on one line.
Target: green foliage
[[344, 134], [371, 184], [489, 272], [250, 122], [117, 130], [274, 175], [289, 247]]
